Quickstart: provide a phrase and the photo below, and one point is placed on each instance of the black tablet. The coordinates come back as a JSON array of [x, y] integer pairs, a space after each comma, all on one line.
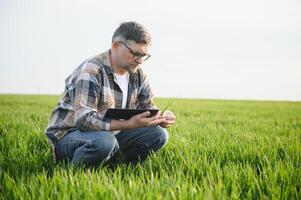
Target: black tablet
[[113, 113]]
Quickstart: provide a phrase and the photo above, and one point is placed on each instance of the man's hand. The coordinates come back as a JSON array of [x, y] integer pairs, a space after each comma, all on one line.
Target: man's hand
[[168, 119], [142, 120], [137, 121]]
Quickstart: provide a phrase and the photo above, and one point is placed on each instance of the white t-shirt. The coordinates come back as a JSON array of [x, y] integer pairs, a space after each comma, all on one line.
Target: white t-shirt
[[123, 82]]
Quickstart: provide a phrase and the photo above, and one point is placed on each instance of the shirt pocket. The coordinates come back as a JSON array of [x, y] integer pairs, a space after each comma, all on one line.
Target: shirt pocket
[[105, 101], [134, 99]]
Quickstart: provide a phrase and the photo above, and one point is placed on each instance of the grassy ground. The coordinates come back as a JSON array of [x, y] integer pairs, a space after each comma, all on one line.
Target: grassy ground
[[217, 150]]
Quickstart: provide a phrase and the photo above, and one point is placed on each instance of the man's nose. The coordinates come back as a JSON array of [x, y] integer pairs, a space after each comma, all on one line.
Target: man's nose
[[139, 60]]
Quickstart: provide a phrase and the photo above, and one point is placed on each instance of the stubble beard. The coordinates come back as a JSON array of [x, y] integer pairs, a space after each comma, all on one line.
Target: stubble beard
[[131, 68]]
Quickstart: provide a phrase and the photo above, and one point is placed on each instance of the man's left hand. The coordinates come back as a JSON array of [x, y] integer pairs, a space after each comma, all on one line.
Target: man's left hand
[[169, 119]]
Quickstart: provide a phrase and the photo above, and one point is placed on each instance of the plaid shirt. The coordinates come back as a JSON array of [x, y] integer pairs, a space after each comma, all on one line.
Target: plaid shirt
[[90, 90]]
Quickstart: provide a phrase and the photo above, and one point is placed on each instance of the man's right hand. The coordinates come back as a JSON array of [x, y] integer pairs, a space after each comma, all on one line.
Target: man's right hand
[[143, 119]]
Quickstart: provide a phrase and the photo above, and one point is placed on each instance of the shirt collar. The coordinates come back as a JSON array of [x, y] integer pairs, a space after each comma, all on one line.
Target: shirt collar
[[105, 57]]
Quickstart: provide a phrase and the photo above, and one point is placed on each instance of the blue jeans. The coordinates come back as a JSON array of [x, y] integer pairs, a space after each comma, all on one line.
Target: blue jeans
[[91, 148]]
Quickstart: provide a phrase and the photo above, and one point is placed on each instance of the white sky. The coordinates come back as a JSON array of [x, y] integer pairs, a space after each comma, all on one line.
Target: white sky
[[232, 49]]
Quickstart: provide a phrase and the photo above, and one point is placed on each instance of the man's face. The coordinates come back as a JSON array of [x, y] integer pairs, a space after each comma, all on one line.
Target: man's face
[[131, 55]]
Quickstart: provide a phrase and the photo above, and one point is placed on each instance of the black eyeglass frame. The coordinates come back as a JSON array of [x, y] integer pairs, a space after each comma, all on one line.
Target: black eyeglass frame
[[136, 54]]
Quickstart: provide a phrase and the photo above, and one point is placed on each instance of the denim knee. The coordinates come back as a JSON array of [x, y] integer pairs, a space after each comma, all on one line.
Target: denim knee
[[104, 148], [96, 150], [156, 138], [161, 137]]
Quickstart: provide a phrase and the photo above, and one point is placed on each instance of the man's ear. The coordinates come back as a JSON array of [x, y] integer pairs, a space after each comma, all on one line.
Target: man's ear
[[115, 44]]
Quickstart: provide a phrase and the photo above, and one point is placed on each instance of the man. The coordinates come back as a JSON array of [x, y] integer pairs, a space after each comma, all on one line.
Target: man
[[78, 131]]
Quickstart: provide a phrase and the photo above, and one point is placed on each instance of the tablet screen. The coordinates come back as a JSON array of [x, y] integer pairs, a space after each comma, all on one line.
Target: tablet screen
[[113, 113]]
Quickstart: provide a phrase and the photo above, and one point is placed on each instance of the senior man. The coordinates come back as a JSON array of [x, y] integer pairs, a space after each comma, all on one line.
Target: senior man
[[78, 130]]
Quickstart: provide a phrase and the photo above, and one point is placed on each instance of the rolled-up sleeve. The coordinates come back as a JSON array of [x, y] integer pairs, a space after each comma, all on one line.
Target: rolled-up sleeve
[[87, 93]]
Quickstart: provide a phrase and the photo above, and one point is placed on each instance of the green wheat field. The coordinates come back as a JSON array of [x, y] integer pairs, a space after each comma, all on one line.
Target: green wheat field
[[217, 150]]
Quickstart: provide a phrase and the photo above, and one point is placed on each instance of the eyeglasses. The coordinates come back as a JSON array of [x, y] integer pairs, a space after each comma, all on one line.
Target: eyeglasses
[[136, 55]]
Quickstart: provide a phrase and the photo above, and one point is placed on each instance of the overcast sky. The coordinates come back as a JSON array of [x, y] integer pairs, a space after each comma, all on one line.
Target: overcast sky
[[232, 49]]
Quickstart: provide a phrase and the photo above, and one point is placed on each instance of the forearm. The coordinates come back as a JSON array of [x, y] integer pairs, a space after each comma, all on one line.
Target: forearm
[[120, 125], [92, 121]]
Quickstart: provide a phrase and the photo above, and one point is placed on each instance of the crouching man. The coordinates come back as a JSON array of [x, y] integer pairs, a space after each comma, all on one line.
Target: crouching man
[[78, 130]]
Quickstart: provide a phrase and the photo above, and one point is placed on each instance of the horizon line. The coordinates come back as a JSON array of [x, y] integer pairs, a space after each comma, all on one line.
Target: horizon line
[[167, 97]]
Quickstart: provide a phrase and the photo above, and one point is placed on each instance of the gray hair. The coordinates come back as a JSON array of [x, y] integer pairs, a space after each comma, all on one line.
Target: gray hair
[[132, 31]]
